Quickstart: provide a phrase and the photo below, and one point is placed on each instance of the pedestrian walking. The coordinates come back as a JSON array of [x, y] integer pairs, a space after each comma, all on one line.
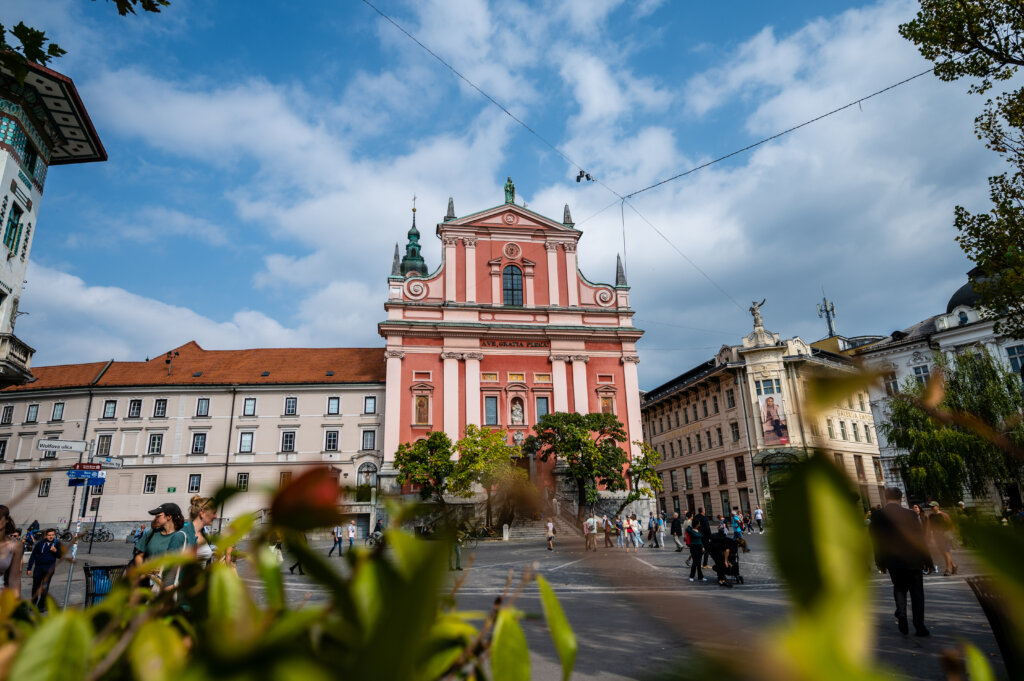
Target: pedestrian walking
[[298, 561], [455, 553], [202, 513], [703, 525], [940, 526], [759, 517], [607, 527], [592, 530], [737, 523], [652, 530], [677, 531], [338, 533], [586, 534], [165, 535], [41, 564], [901, 550], [351, 534], [12, 552], [696, 542], [620, 537], [551, 534], [661, 531]]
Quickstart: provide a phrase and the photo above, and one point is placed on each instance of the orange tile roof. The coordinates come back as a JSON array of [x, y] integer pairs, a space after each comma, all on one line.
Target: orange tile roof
[[192, 365]]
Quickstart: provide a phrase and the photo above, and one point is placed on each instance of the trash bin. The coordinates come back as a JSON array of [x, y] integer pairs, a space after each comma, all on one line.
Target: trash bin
[[99, 579]]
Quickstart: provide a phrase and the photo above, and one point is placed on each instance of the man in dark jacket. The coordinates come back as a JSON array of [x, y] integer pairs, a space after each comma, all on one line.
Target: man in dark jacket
[[677, 532], [41, 565], [722, 549], [901, 550], [701, 522]]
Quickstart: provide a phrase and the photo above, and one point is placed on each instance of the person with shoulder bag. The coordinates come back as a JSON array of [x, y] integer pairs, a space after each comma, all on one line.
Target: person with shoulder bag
[[165, 535]]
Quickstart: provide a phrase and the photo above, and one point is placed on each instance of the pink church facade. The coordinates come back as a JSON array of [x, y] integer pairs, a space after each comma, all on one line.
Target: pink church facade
[[504, 330]]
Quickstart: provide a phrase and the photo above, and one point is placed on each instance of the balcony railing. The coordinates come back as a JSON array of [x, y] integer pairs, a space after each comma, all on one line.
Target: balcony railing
[[15, 361]]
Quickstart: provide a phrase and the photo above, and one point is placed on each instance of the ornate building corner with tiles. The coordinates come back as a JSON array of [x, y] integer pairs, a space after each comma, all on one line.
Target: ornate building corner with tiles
[[42, 123], [504, 330]]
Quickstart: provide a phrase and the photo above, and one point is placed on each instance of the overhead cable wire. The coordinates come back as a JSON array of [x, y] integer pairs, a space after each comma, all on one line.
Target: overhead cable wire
[[777, 135]]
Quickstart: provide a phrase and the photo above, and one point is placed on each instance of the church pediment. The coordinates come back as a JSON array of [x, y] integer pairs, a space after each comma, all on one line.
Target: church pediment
[[508, 216]]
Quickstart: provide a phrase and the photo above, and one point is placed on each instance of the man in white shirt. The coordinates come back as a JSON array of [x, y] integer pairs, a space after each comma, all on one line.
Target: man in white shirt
[[351, 533], [759, 517], [591, 531], [338, 533]]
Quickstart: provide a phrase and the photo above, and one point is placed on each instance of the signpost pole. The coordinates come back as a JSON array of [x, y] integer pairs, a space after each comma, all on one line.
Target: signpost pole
[[99, 500], [71, 568]]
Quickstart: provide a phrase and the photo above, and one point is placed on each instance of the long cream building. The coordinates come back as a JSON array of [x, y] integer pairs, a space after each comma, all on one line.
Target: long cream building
[[727, 427], [188, 422]]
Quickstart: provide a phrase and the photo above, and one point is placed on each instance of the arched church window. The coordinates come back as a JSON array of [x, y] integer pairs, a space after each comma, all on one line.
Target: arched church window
[[367, 474], [512, 285]]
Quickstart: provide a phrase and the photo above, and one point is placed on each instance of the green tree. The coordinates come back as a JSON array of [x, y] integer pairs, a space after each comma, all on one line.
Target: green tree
[[588, 445], [941, 455], [644, 478], [488, 460], [981, 40], [429, 464], [33, 45]]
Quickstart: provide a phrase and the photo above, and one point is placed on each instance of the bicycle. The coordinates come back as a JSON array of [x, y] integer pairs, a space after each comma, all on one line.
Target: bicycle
[[469, 542], [375, 539]]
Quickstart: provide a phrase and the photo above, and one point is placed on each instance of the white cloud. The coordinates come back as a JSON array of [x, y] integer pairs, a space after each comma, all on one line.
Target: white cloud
[[156, 223]]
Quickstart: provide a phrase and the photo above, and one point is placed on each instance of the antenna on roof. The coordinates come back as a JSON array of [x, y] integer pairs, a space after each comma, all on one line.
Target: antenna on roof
[[827, 309], [171, 354]]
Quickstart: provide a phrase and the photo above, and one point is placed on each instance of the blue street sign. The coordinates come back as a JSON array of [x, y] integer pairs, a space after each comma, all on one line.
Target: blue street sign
[[95, 482], [87, 474]]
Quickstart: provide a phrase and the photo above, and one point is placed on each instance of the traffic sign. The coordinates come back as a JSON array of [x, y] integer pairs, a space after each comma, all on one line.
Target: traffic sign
[[75, 482], [87, 467], [109, 461], [87, 474], [95, 482], [61, 446], [172, 489]]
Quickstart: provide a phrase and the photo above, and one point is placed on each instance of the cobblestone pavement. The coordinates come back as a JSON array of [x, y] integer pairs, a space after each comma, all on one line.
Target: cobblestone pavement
[[636, 613]]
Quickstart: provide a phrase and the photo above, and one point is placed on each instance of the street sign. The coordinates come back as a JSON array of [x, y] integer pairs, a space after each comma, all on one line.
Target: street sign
[[87, 474], [172, 489], [109, 461], [76, 482], [61, 446], [95, 482], [87, 467]]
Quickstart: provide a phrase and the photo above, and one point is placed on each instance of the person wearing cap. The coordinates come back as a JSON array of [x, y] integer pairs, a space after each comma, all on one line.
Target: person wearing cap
[[165, 535]]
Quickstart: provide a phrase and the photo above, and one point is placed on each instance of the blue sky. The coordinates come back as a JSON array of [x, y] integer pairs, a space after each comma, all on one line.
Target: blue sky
[[263, 161]]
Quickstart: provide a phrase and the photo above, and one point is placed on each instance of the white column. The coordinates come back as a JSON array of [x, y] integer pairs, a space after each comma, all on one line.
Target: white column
[[496, 297], [558, 379], [470, 269], [450, 243], [579, 383], [632, 386], [552, 249], [451, 394], [473, 387], [528, 286], [392, 403], [571, 276]]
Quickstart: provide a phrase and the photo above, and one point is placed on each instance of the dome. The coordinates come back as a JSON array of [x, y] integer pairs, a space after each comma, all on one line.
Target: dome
[[965, 295]]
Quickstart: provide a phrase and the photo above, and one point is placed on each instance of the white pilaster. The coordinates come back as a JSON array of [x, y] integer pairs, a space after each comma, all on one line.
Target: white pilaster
[[632, 386], [473, 387], [571, 274], [392, 403], [470, 244], [552, 249], [451, 394], [559, 384], [579, 383], [449, 243]]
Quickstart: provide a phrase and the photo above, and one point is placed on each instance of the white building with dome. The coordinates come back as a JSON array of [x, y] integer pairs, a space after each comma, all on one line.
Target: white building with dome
[[910, 353]]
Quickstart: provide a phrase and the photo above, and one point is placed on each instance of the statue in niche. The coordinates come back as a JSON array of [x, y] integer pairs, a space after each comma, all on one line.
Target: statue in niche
[[510, 191], [755, 309], [422, 410], [517, 412]]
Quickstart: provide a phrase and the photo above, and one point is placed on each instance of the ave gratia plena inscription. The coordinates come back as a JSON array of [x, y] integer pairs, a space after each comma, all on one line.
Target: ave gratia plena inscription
[[484, 343]]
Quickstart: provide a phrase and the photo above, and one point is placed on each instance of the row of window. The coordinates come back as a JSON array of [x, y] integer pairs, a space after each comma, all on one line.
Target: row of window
[[672, 449], [1014, 353], [291, 406], [739, 464], [725, 507], [155, 445], [844, 433], [687, 409], [858, 465]]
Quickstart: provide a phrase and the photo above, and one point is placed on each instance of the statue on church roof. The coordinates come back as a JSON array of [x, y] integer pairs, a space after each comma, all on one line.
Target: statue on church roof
[[510, 191]]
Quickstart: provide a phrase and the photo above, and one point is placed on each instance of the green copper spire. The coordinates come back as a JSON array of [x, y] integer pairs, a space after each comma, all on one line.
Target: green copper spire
[[413, 263]]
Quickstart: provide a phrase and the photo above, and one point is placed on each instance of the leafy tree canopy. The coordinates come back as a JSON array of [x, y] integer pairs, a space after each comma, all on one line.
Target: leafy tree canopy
[[981, 40], [429, 464], [940, 459], [587, 445], [644, 477]]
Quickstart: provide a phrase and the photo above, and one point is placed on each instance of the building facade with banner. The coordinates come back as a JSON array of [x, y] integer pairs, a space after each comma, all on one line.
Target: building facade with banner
[[189, 422], [730, 427], [505, 329]]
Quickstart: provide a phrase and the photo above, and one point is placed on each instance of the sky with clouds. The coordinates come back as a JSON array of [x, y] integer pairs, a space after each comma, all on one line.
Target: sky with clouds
[[263, 158]]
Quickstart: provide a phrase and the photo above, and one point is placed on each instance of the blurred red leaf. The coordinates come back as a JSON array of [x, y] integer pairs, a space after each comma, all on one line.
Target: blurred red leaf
[[308, 502]]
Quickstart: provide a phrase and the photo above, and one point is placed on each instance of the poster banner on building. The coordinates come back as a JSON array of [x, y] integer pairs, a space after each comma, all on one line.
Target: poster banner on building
[[773, 421]]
